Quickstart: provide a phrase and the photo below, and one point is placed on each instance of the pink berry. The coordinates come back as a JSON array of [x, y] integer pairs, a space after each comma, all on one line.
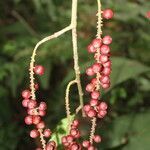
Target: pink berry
[[25, 102], [38, 148], [105, 79], [90, 87], [26, 94], [28, 120], [103, 106], [73, 132], [91, 148], [31, 111], [105, 86], [89, 71], [107, 40], [42, 106], [102, 113], [106, 71], [47, 133], [91, 113], [69, 138], [95, 95], [94, 81], [108, 14], [104, 58], [91, 48], [97, 139], [148, 14], [75, 123], [50, 147], [32, 104], [36, 119], [36, 86], [40, 125], [86, 108], [39, 70], [34, 134], [97, 43], [105, 49], [42, 113], [107, 64], [93, 102], [75, 146], [96, 68], [64, 139], [86, 144]]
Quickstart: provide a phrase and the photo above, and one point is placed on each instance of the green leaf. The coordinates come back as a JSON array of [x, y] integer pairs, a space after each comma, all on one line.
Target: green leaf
[[61, 130], [124, 69], [129, 131]]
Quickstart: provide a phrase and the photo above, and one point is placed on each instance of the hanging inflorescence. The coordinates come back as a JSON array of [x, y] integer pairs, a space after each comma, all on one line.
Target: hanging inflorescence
[[95, 109]]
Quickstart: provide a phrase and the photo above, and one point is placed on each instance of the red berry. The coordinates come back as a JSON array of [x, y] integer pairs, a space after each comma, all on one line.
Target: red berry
[[90, 87], [28, 120], [108, 14], [93, 102], [91, 48], [95, 95], [75, 146], [107, 64], [50, 147], [75, 123], [102, 113], [36, 86], [105, 86], [91, 148], [38, 148], [40, 125], [105, 49], [64, 139], [97, 138], [32, 104], [96, 68], [105, 79], [42, 113], [25, 102], [26, 94], [104, 58], [31, 111], [69, 138], [47, 133], [91, 113], [148, 14], [97, 43], [89, 71], [34, 134], [94, 81], [42, 106], [107, 40], [103, 106], [106, 71], [36, 119], [39, 70], [73, 132], [86, 108], [86, 144]]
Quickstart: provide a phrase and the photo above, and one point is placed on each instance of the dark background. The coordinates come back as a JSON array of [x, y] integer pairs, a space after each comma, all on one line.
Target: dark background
[[24, 22]]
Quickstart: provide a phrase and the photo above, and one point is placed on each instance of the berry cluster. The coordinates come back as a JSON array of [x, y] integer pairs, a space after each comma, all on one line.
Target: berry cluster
[[35, 113], [70, 141], [96, 109], [101, 69]]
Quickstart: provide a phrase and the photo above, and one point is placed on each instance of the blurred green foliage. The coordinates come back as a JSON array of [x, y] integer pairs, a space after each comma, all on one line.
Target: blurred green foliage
[[25, 22]]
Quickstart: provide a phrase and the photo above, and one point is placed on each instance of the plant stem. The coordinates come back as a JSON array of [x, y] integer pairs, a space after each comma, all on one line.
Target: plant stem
[[75, 52]]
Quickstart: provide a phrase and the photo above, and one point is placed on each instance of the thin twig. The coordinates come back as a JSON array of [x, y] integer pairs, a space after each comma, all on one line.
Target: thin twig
[[67, 103]]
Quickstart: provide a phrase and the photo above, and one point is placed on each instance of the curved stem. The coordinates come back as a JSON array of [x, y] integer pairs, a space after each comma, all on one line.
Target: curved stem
[[67, 100], [55, 35], [75, 51]]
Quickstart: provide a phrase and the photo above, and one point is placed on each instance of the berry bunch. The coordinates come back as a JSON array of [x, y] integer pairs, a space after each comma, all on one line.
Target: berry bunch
[[70, 141], [101, 69], [35, 113]]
